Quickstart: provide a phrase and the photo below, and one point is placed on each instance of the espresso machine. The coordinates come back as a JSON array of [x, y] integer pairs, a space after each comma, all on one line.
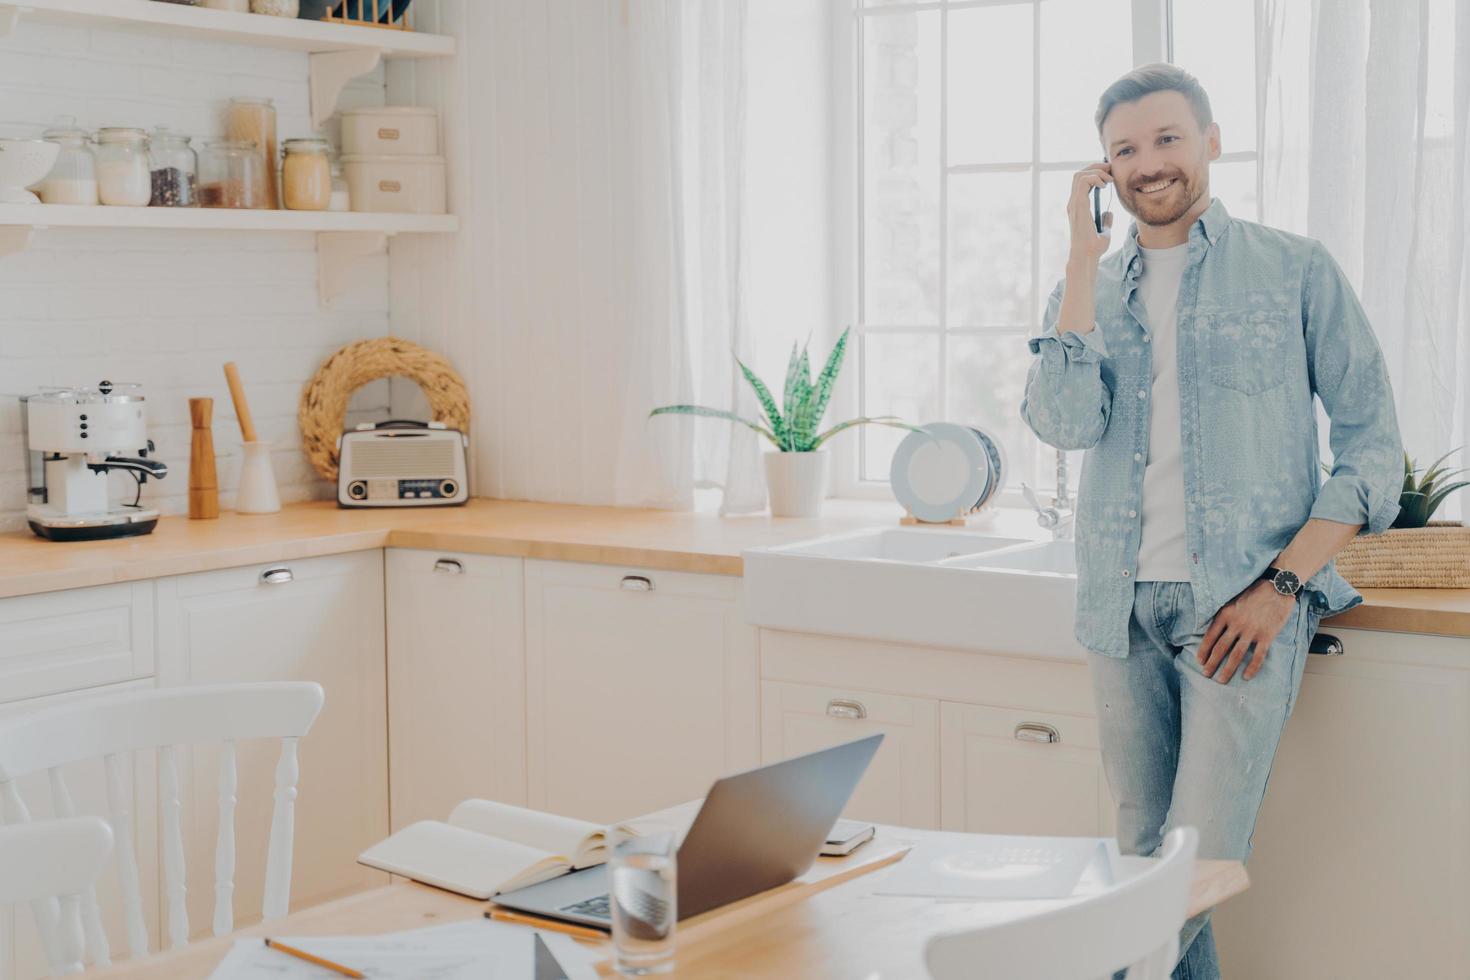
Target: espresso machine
[[76, 437]]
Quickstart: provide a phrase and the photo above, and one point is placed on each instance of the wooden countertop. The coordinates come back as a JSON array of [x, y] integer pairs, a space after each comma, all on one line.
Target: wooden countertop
[[673, 540]]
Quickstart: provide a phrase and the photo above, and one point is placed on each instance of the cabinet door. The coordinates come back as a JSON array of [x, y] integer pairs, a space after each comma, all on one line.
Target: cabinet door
[[901, 785], [1362, 847], [456, 682], [317, 619], [87, 783], [1006, 771], [641, 687], [78, 638]]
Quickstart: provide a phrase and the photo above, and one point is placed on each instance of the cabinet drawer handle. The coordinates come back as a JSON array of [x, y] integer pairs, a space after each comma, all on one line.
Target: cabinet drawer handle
[[637, 583], [1035, 731], [449, 565], [846, 708], [277, 576], [1327, 645]]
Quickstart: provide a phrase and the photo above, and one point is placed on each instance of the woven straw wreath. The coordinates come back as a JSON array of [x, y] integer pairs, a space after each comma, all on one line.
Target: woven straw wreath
[[323, 409]]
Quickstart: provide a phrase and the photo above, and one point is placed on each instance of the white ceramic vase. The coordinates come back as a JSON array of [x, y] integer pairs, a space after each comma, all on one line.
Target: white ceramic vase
[[797, 482], [257, 493]]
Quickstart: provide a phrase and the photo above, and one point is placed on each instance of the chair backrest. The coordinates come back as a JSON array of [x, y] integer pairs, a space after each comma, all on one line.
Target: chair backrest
[[50, 864], [1134, 924], [108, 728]]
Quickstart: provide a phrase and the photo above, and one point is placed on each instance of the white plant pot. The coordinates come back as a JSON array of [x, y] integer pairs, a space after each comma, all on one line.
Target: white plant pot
[[797, 482]]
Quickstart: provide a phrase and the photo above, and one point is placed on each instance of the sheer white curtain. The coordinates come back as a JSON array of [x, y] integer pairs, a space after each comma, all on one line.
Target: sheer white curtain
[[684, 316], [1364, 109]]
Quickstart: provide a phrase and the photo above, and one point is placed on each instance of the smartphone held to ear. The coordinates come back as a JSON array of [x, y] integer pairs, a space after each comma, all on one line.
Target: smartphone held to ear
[[1097, 209]]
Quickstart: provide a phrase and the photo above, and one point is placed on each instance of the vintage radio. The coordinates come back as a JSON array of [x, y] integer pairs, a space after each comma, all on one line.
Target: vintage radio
[[401, 463]]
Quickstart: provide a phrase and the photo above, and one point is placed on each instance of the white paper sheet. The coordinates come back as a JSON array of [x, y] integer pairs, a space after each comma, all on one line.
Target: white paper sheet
[[994, 866], [477, 949]]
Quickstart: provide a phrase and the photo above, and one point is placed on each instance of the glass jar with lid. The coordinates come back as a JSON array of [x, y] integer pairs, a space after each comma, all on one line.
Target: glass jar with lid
[[174, 168], [251, 120], [73, 178], [122, 167], [229, 175], [341, 195], [306, 175]]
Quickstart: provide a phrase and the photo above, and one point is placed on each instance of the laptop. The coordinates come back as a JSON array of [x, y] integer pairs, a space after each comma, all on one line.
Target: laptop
[[755, 830]]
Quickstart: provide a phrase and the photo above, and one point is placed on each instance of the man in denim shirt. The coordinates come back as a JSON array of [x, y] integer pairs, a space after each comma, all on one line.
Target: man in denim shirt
[[1185, 363]]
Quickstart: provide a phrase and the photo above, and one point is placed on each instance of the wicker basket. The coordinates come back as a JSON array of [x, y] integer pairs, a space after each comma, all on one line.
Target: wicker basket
[[1433, 557]]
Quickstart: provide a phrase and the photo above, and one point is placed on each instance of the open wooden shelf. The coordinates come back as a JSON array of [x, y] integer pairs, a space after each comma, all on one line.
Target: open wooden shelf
[[204, 219], [341, 236], [178, 20]]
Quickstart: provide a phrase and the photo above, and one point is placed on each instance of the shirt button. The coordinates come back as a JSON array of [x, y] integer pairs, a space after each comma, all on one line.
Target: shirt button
[[1133, 513], [1142, 393], [1125, 573], [1137, 457], [1147, 338]]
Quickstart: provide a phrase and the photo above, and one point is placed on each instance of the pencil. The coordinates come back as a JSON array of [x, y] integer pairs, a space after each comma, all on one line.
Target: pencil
[[549, 925], [302, 954]]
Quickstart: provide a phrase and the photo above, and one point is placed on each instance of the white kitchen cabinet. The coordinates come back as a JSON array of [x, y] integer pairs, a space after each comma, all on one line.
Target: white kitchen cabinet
[[456, 681], [316, 619], [1362, 848], [642, 687], [87, 783], [79, 638], [1010, 771], [901, 785]]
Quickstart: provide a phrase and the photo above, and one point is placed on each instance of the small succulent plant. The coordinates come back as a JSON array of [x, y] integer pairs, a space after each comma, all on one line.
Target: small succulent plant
[[793, 424], [1420, 498]]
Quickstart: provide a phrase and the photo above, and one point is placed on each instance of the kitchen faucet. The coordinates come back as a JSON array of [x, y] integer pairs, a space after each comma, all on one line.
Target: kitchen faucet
[[1062, 501], [1060, 517]]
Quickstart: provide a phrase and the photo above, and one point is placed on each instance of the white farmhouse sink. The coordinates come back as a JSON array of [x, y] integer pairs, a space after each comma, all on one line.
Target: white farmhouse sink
[[921, 586], [1045, 558], [899, 544]]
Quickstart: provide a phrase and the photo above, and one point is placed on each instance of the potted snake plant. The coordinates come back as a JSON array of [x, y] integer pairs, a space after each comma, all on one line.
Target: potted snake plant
[[1416, 551], [796, 469]]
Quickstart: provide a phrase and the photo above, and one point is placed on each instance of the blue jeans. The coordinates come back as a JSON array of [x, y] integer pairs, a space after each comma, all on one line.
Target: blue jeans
[[1182, 749]]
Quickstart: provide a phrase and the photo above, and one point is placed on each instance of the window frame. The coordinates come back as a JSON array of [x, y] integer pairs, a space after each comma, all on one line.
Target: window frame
[[1152, 40]]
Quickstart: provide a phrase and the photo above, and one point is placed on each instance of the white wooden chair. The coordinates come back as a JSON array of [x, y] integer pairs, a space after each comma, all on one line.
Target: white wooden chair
[[110, 727], [49, 864], [1136, 923]]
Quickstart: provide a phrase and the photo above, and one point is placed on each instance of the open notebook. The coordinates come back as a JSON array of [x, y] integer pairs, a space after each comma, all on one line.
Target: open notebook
[[487, 848]]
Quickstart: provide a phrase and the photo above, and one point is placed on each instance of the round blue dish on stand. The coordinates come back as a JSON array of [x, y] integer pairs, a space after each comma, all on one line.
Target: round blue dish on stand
[[940, 474]]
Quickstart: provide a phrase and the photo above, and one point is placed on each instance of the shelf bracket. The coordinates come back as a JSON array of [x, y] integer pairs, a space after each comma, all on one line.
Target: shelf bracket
[[14, 238], [335, 253], [330, 71]]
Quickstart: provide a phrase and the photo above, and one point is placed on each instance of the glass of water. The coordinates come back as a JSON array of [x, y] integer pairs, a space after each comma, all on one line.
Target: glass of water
[[642, 882]]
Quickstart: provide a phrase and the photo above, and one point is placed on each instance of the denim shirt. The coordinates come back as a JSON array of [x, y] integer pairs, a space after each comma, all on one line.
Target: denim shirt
[[1266, 320]]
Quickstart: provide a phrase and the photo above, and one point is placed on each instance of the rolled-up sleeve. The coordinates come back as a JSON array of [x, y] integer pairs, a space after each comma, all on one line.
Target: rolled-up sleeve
[[1066, 402], [1350, 377]]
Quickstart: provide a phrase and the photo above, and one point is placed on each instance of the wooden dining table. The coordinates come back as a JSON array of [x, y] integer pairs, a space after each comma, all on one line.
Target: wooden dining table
[[827, 923]]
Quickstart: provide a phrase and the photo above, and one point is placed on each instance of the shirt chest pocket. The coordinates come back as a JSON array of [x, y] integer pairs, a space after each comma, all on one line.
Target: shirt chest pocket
[[1248, 350]]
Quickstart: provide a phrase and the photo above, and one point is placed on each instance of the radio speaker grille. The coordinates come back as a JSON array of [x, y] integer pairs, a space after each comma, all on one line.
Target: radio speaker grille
[[405, 459]]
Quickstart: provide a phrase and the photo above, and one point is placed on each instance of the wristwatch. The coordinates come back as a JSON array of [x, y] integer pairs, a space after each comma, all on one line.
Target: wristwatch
[[1283, 581]]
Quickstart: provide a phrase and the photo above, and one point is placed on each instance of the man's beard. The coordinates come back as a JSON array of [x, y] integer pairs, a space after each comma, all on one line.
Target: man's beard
[[1164, 208]]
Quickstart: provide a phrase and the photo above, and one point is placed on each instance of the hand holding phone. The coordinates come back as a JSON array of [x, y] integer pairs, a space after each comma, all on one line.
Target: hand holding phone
[[1091, 226]]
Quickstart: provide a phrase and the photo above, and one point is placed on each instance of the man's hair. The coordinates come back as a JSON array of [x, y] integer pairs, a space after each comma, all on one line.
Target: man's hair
[[1147, 79]]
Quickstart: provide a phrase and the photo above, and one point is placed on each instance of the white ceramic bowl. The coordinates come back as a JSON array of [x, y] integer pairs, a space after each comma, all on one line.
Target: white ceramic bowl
[[22, 163]]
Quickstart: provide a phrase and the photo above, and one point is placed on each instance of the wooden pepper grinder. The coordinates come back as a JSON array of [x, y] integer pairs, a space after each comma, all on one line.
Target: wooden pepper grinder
[[203, 483]]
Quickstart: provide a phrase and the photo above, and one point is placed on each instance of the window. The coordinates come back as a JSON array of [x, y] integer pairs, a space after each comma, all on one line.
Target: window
[[972, 116]]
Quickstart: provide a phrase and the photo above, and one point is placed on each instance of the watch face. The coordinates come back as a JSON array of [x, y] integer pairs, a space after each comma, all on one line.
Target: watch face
[[1287, 583]]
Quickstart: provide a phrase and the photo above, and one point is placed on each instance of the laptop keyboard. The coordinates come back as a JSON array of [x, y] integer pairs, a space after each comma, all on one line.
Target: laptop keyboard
[[638, 903], [595, 908]]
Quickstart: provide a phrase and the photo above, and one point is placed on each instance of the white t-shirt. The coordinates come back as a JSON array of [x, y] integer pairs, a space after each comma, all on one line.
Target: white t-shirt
[[1163, 554]]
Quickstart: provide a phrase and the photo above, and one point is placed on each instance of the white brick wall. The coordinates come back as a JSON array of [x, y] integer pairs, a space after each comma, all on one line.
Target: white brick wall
[[167, 309]]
